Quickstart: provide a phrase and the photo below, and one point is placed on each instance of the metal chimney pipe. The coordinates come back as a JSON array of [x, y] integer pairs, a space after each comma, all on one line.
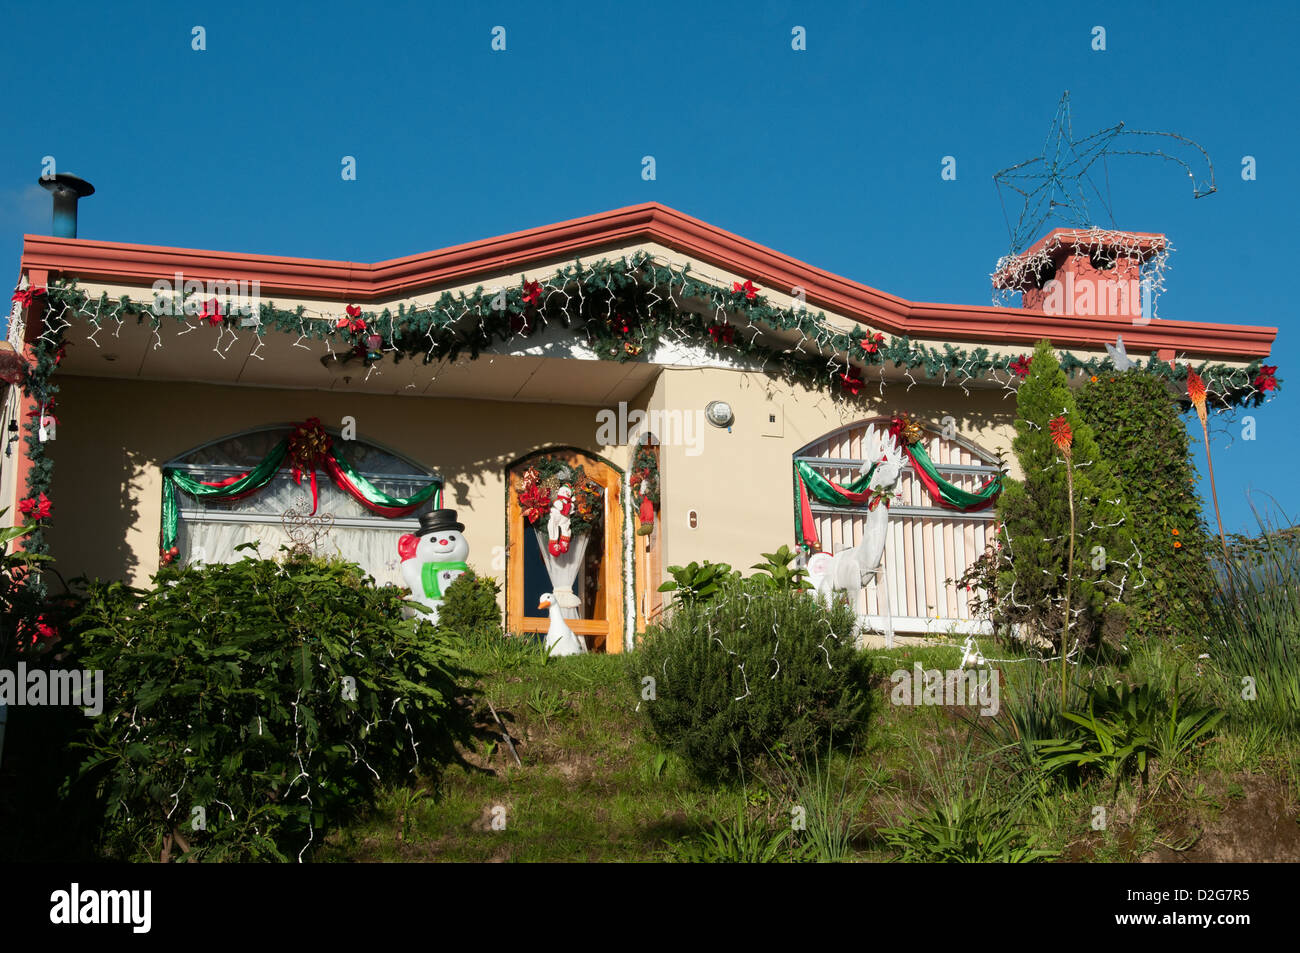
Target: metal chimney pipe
[[66, 189]]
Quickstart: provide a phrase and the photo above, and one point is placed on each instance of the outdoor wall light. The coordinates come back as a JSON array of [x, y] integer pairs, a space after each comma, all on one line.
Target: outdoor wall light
[[719, 413], [692, 519]]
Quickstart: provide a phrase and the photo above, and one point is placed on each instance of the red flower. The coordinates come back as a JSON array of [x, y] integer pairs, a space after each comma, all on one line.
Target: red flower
[[211, 312], [352, 323], [872, 344], [1062, 435], [722, 334], [748, 288], [532, 292], [851, 382], [38, 508], [1021, 365], [1266, 381], [1196, 392], [535, 501], [353, 310]]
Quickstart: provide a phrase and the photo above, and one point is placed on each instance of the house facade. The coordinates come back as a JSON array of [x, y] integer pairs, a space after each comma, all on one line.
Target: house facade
[[691, 374]]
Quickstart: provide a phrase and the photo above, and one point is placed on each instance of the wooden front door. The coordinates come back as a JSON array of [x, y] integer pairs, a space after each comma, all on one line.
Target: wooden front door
[[600, 582]]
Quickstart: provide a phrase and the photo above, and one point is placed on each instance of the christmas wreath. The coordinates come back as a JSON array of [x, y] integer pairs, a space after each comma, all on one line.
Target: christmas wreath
[[541, 484], [645, 486]]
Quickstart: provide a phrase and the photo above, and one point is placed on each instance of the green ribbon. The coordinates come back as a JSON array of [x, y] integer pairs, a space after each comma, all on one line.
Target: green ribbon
[[954, 496], [253, 480], [339, 467], [373, 498], [821, 489]]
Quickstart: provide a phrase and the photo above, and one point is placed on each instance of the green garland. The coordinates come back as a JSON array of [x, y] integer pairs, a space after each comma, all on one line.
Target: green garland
[[622, 307], [645, 470], [47, 352]]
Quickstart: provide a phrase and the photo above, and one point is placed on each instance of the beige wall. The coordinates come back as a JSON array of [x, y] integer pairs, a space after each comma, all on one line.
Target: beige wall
[[741, 482], [115, 435]]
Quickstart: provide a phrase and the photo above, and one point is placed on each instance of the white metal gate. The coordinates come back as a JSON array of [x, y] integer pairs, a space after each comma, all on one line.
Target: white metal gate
[[928, 547]]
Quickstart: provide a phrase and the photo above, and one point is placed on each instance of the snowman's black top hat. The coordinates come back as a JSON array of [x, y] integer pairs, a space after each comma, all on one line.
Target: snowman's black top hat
[[439, 521]]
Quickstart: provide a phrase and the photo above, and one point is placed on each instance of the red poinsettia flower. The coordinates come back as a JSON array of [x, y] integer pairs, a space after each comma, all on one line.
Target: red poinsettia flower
[[211, 312], [535, 502], [747, 288], [1265, 381], [353, 310], [1021, 366], [851, 382], [25, 295], [871, 344], [532, 292], [1062, 435], [722, 334], [351, 323], [38, 508]]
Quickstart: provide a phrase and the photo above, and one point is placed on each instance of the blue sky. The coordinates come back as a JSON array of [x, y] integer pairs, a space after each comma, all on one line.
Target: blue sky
[[831, 155]]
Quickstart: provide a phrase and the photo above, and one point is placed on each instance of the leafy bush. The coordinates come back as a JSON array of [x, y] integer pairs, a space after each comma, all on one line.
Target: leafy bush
[[23, 608], [1124, 728], [251, 707], [1139, 431], [775, 572], [1035, 517], [963, 829], [738, 840], [698, 583], [751, 671], [470, 607]]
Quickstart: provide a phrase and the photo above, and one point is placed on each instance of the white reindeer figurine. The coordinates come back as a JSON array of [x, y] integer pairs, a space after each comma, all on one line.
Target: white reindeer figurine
[[849, 570]]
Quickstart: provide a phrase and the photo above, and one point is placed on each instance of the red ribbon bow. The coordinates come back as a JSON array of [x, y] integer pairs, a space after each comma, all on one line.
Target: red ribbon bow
[[25, 295], [211, 312]]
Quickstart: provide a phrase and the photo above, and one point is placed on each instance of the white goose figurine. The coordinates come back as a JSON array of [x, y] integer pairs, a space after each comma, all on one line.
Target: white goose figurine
[[560, 639]]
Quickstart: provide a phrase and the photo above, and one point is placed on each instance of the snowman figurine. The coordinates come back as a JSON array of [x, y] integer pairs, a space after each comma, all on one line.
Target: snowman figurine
[[432, 558]]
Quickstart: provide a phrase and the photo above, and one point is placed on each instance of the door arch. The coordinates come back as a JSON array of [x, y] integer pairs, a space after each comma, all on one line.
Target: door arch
[[600, 584], [928, 544]]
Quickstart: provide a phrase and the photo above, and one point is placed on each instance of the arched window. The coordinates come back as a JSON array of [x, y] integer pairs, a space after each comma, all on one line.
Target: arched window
[[928, 545], [209, 532]]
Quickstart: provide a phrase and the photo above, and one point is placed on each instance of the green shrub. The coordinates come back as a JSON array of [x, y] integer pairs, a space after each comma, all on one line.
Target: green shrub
[[751, 671], [251, 707], [775, 572], [738, 840], [1124, 728], [1139, 431], [964, 829], [698, 582], [1035, 517], [470, 607]]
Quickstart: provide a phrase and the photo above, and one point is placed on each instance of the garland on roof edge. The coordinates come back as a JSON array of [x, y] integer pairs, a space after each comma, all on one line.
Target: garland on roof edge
[[622, 307]]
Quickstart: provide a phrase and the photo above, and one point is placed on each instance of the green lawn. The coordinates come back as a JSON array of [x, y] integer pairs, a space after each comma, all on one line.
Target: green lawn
[[593, 787]]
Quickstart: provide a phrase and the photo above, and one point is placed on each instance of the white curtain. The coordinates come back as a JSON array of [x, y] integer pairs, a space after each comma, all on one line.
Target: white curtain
[[374, 548], [563, 571]]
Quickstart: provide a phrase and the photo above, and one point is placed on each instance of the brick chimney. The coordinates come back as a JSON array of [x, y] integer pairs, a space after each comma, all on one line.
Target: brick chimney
[[1082, 272]]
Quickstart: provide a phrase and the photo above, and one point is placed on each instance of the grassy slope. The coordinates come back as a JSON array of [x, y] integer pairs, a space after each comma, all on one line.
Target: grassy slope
[[593, 788]]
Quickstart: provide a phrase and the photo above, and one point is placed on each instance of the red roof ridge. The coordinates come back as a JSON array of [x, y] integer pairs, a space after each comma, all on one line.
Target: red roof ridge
[[354, 282]]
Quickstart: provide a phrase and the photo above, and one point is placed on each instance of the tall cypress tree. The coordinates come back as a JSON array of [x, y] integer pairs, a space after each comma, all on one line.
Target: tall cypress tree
[[1035, 521]]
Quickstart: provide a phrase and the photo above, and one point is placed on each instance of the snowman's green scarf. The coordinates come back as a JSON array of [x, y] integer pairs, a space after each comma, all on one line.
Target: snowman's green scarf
[[429, 577]]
